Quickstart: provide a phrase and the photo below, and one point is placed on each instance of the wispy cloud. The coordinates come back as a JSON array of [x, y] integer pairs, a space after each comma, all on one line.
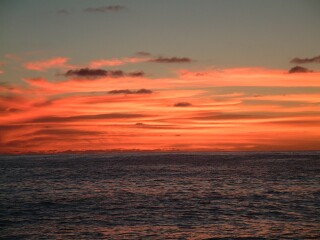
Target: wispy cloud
[[302, 98], [87, 117], [305, 60], [106, 9], [142, 57], [94, 73], [127, 91], [143, 54], [65, 131], [58, 62], [114, 62], [251, 77], [299, 69], [171, 60]]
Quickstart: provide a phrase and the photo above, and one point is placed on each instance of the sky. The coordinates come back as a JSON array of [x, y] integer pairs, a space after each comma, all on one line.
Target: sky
[[169, 75]]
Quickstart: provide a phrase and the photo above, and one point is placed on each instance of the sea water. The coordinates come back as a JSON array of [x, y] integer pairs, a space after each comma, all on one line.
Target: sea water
[[161, 196]]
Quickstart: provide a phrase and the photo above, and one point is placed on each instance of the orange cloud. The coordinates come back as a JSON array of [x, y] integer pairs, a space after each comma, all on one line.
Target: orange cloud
[[115, 62], [186, 112], [58, 62]]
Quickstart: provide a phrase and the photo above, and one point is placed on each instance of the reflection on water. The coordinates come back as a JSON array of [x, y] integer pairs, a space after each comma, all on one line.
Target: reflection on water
[[161, 196]]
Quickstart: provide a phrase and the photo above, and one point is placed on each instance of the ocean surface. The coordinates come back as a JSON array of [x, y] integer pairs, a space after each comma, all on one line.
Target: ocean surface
[[161, 196]]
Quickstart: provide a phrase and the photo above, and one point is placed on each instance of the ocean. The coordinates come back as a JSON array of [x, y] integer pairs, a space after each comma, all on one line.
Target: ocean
[[248, 195]]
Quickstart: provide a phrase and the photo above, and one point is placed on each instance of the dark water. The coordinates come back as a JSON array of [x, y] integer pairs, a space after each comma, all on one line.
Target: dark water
[[161, 196]]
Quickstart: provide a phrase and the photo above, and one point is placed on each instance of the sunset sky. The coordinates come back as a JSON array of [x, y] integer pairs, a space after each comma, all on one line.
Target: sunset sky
[[166, 75]]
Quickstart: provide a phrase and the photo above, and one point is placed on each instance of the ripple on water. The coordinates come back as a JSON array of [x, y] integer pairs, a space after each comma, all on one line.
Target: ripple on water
[[164, 196]]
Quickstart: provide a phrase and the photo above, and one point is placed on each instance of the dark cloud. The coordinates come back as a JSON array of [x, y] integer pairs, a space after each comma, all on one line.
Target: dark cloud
[[298, 69], [183, 104], [170, 60], [124, 91], [136, 74], [127, 91], [86, 117], [63, 12], [106, 9], [144, 91], [94, 73], [86, 72], [142, 53], [306, 60], [116, 73]]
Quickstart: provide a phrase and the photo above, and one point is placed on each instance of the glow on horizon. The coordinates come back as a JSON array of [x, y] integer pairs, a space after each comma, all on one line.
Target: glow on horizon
[[181, 113]]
